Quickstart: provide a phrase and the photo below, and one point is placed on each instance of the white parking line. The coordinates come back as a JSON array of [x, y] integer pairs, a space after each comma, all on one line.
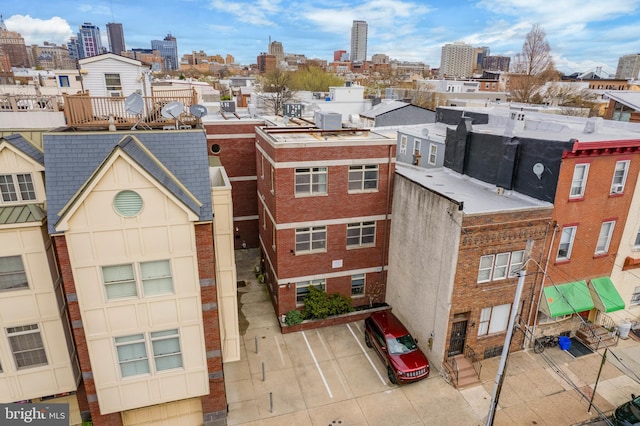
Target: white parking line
[[334, 363], [279, 349], [367, 355], [326, 385]]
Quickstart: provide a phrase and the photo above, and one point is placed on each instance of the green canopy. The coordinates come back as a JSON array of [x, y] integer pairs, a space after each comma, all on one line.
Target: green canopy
[[605, 296], [565, 299]]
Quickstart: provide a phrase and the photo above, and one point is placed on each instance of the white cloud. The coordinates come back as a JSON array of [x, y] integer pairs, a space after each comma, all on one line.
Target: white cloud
[[35, 31], [249, 13]]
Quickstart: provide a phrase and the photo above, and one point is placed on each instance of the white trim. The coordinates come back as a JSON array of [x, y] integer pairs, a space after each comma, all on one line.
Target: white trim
[[328, 222], [243, 178], [232, 136], [244, 218]]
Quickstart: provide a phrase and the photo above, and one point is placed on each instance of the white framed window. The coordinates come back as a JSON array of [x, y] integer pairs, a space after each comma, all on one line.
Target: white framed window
[[604, 239], [579, 180], [403, 144], [357, 285], [17, 187], [544, 319], [361, 234], [500, 266], [619, 177], [155, 278], [264, 217], [273, 236], [132, 355], [363, 178], [166, 349], [311, 181], [112, 81], [494, 319], [433, 154], [12, 273], [635, 297], [311, 239], [566, 243], [26, 346], [262, 167], [416, 146], [302, 289], [272, 178]]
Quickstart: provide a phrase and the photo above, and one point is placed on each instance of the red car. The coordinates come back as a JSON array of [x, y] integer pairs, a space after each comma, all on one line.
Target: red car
[[398, 350]]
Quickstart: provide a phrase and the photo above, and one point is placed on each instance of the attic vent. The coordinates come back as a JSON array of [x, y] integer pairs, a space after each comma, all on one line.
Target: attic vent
[[127, 203]]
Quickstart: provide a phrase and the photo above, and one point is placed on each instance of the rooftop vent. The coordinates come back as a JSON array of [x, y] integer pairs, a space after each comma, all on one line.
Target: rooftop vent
[[328, 120], [592, 125]]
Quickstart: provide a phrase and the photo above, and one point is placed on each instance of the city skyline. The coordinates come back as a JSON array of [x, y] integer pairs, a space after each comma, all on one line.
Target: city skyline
[[582, 35]]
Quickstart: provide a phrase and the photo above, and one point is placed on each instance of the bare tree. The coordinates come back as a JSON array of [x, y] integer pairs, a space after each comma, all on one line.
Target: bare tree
[[276, 86], [532, 67]]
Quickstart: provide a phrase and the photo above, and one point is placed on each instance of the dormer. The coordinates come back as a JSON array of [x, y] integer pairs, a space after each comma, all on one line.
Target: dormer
[[21, 172]]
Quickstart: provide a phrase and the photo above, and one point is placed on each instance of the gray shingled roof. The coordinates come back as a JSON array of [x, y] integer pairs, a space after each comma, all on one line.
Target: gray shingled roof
[[72, 158], [25, 146], [24, 213], [384, 108]]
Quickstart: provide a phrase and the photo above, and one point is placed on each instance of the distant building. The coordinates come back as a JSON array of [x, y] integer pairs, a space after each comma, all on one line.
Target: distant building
[[276, 49], [89, 40], [380, 58], [50, 57], [359, 41], [73, 46], [457, 60], [266, 62], [479, 53], [496, 63], [12, 44], [116, 38], [229, 59], [168, 48], [151, 57], [628, 66], [340, 56]]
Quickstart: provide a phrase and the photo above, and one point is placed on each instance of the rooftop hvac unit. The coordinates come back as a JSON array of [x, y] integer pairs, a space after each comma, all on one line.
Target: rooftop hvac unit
[[328, 120], [293, 110], [228, 106]]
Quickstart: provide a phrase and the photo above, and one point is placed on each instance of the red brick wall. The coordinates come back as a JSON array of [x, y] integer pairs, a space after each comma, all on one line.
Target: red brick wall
[[113, 419]]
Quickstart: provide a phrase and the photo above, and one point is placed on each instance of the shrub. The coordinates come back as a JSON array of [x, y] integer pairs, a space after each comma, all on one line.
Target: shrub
[[339, 304], [319, 305], [293, 317]]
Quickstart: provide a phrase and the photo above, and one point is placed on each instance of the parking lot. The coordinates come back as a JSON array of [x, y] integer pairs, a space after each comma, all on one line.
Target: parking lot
[[328, 376]]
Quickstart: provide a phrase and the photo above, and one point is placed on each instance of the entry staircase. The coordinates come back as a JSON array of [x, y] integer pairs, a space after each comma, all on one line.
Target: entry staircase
[[462, 370], [600, 335]]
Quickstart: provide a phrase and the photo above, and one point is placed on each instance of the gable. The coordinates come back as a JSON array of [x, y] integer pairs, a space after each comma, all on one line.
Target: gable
[[13, 160]]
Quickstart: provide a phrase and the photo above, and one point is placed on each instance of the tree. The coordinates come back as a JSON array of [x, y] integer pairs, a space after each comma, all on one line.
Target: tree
[[276, 86], [532, 67], [314, 79]]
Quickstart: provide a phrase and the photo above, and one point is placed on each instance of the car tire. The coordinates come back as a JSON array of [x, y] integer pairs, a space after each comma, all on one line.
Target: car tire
[[392, 377], [367, 340]]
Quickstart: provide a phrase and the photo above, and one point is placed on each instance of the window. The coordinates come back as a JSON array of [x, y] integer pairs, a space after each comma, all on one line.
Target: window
[[302, 289], [17, 187], [262, 166], [113, 82], [272, 179], [311, 181], [416, 146], [64, 81], [619, 177], [566, 243], [127, 203], [132, 355], [494, 319], [403, 144], [361, 234], [166, 349], [636, 243], [635, 297], [12, 273], [500, 266], [311, 239], [363, 178], [120, 280], [579, 180], [544, 319], [357, 285], [26, 346], [606, 230], [433, 154]]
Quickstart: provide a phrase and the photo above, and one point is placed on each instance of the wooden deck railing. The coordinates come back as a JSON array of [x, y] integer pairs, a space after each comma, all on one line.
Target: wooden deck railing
[[85, 111]]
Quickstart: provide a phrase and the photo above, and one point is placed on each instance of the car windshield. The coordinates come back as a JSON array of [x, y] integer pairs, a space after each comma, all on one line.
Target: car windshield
[[401, 345]]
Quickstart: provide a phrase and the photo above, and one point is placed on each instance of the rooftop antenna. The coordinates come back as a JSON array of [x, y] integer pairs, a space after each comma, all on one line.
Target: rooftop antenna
[[134, 104], [173, 110]]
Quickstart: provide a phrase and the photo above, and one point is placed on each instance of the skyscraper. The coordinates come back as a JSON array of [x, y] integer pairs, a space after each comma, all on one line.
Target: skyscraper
[[168, 50], [457, 60], [276, 49], [74, 48], [89, 40], [12, 45], [359, 41], [628, 66], [116, 38]]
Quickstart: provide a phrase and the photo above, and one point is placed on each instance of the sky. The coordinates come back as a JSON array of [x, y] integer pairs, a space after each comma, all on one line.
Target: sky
[[583, 34]]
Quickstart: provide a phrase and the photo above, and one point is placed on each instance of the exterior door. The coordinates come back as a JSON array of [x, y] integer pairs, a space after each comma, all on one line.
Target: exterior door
[[458, 336]]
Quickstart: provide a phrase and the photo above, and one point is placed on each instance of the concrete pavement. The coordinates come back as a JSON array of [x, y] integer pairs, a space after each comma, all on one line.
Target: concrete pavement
[[329, 377]]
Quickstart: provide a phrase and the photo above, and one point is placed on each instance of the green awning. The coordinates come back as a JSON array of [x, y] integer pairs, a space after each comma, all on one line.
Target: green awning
[[565, 299], [605, 296]]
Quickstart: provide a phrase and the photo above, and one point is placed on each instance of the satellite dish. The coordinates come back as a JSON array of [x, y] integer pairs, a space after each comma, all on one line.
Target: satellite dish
[[134, 104], [425, 132], [538, 169], [198, 110], [172, 110]]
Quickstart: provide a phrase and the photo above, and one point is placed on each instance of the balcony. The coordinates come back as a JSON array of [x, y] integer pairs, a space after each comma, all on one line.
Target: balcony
[[85, 112]]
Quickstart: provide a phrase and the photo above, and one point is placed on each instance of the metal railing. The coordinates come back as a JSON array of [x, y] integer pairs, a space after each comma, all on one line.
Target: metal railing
[[474, 358]]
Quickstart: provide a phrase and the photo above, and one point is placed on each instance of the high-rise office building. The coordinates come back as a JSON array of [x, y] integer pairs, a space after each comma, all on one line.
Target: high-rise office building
[[73, 45], [628, 66], [115, 35], [89, 40], [168, 48], [457, 60], [496, 63], [276, 49], [12, 45], [359, 41]]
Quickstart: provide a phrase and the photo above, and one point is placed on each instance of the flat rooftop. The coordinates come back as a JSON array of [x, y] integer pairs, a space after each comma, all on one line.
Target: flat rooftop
[[477, 197]]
